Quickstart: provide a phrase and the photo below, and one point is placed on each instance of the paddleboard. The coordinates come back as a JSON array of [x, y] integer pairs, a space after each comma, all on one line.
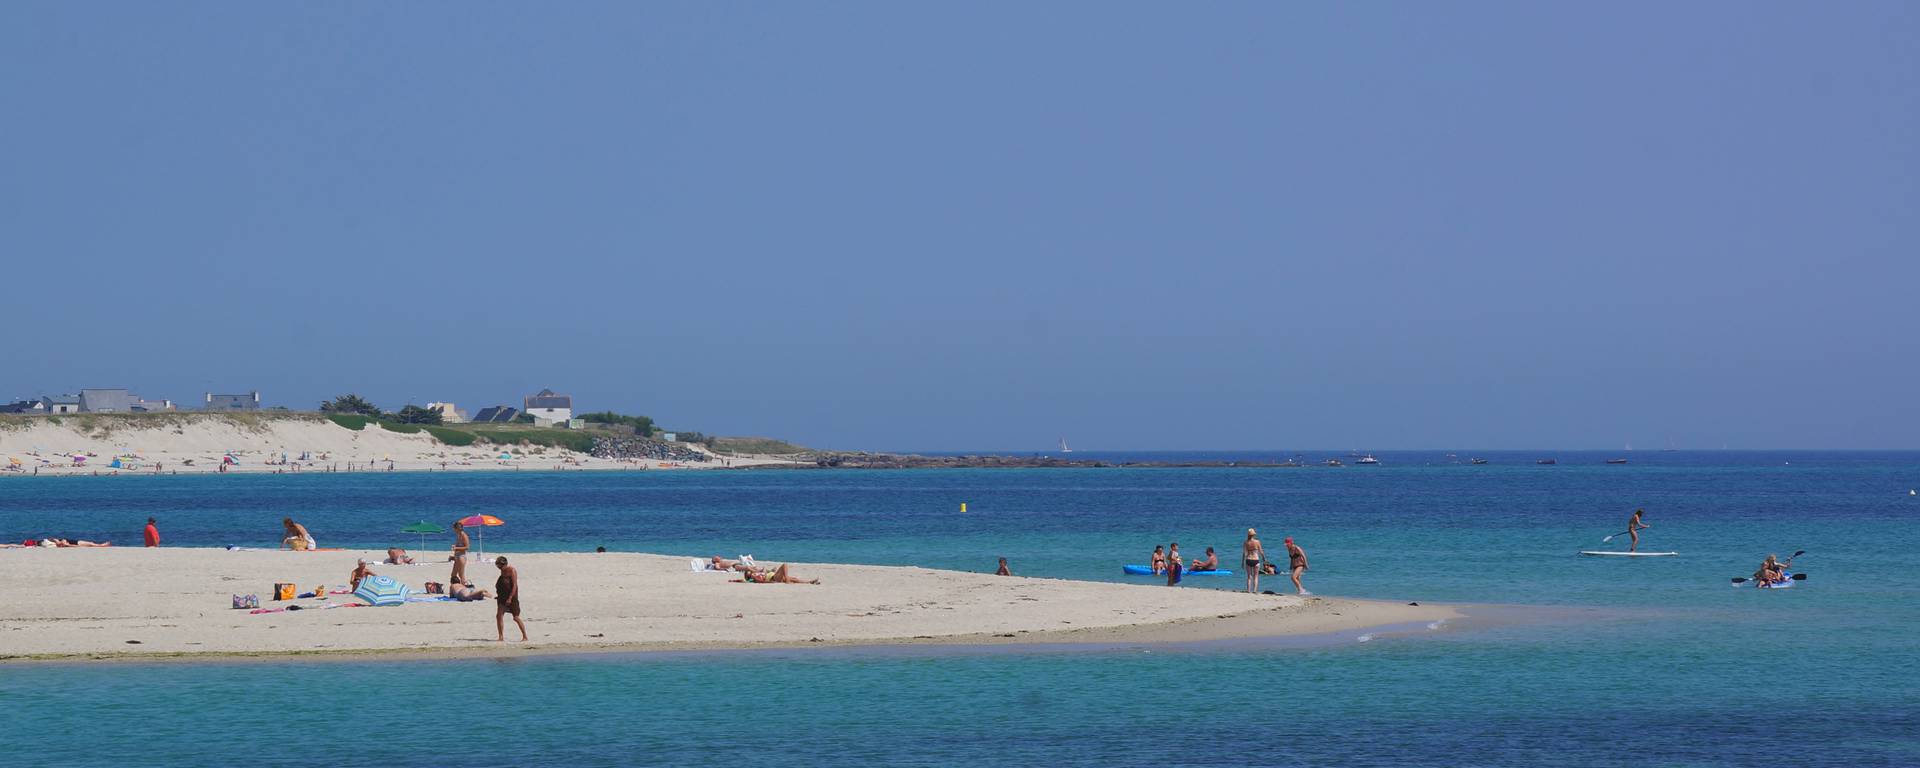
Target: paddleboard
[[1631, 554], [1143, 570]]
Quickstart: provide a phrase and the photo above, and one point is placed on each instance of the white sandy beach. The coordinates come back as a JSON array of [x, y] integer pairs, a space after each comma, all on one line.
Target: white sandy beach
[[131, 602], [182, 446]]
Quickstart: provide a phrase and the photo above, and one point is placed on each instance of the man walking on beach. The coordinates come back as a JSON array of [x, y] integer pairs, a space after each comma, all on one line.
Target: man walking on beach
[[152, 534], [506, 592]]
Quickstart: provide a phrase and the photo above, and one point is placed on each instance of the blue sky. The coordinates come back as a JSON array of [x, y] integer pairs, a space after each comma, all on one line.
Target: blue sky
[[986, 226]]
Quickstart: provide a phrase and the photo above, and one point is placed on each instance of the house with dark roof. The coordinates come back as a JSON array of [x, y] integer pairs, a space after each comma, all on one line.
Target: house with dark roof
[[24, 406], [548, 408], [247, 402], [496, 414], [105, 401]]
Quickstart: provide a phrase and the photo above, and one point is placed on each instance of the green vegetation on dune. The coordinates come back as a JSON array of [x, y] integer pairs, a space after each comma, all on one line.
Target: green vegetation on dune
[[756, 445], [570, 439], [642, 425], [104, 424], [354, 422], [452, 436]]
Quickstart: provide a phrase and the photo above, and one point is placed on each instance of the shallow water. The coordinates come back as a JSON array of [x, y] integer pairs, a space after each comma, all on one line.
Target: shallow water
[[1657, 661]]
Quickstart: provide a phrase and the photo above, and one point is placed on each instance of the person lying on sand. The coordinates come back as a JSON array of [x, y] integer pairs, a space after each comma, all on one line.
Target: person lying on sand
[[466, 593], [398, 556], [59, 542], [719, 563], [775, 576], [360, 571]]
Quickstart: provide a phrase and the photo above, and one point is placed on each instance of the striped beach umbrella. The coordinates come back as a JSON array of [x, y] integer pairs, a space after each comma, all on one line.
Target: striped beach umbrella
[[382, 590]]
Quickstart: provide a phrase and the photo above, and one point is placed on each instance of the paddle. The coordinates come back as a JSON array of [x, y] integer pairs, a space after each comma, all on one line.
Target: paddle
[[1795, 577], [1622, 533]]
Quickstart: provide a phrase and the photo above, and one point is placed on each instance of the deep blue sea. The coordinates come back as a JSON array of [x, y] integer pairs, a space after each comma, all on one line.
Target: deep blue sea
[[1610, 662]]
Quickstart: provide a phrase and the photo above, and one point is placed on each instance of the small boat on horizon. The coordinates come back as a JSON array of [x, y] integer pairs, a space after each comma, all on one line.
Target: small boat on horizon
[[1367, 459], [1616, 461], [1063, 446], [1477, 461], [1334, 463], [1546, 462]]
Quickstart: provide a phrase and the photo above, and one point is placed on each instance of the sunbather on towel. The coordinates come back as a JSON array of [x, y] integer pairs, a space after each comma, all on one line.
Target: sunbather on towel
[[466, 593], [775, 576], [398, 556], [719, 563], [59, 542]]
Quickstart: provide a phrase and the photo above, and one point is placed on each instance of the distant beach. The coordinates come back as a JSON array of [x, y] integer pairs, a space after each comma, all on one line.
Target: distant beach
[[256, 443]]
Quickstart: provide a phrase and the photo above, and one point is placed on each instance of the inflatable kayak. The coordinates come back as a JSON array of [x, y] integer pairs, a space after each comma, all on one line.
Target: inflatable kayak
[[1630, 554], [1144, 570], [1786, 582]]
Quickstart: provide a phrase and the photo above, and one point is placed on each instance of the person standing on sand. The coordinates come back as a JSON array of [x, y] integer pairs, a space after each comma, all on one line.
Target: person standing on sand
[[152, 534], [506, 592], [1297, 564], [460, 540], [1174, 564], [1251, 555], [1634, 527]]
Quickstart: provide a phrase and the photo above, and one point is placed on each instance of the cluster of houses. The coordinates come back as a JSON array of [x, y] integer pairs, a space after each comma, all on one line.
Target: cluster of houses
[[122, 401], [548, 408]]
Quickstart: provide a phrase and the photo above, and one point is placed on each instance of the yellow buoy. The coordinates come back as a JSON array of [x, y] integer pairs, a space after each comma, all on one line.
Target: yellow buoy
[[963, 506]]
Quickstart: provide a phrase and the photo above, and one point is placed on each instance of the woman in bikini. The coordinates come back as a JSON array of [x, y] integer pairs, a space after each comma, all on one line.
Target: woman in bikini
[[775, 576], [1251, 554], [1159, 560]]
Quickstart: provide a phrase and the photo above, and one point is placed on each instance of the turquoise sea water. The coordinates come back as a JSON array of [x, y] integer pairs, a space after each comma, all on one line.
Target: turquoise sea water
[[1627, 662]]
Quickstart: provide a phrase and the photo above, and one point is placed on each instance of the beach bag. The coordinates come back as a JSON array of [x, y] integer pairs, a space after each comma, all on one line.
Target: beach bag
[[246, 601], [283, 591]]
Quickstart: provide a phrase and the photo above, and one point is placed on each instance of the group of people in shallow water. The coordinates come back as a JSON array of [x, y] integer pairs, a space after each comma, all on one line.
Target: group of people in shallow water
[[1253, 557]]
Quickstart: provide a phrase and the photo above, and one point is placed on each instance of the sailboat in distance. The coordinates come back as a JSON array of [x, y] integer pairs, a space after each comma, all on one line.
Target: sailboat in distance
[[1063, 446]]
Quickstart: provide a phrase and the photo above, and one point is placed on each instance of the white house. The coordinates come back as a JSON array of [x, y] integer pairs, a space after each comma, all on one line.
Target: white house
[[548, 408]]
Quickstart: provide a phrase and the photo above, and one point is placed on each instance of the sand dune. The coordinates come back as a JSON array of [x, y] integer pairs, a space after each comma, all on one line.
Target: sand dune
[[190, 443]]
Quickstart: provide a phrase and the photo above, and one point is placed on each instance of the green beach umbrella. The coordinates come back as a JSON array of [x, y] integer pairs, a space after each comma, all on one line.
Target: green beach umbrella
[[423, 528]]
